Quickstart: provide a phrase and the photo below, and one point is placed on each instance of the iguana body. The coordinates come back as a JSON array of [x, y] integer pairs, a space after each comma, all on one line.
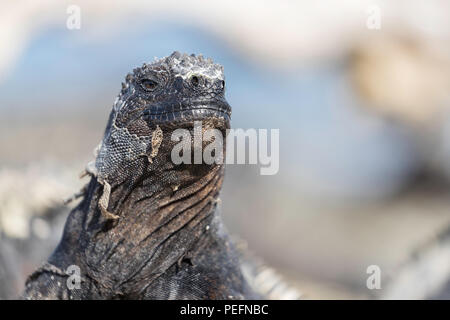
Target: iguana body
[[146, 227]]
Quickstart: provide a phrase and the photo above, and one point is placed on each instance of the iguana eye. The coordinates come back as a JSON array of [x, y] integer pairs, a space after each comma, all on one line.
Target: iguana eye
[[149, 85]]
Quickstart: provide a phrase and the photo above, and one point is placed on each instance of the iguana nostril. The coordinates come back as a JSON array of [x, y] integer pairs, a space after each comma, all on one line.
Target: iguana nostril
[[195, 81]]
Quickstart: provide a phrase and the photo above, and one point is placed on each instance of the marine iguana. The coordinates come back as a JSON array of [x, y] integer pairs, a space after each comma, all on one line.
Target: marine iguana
[[146, 227]]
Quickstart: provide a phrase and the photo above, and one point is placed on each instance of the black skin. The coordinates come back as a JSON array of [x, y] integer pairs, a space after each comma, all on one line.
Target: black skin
[[168, 242]]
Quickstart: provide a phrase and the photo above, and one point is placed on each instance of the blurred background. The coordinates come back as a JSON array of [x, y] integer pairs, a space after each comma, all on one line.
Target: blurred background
[[359, 90]]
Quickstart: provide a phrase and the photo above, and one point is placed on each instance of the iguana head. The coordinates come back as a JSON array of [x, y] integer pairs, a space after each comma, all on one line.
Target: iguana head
[[156, 99], [172, 91]]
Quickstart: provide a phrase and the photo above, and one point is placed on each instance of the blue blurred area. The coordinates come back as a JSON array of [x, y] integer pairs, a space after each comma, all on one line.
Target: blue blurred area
[[328, 145]]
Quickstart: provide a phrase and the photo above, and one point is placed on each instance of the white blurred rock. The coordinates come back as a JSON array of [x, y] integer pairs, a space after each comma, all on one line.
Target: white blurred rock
[[30, 192]]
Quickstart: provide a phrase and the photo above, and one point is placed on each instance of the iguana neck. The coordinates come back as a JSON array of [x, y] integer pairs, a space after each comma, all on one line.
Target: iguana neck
[[164, 214], [165, 195]]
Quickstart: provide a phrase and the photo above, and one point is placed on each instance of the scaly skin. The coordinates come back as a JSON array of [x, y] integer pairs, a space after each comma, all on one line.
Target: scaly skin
[[147, 228]]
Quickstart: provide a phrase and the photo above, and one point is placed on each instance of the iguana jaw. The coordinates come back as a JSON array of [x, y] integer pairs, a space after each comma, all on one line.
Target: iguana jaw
[[189, 112]]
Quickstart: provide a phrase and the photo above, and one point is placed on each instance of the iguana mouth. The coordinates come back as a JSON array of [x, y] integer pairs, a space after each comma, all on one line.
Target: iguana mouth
[[192, 111]]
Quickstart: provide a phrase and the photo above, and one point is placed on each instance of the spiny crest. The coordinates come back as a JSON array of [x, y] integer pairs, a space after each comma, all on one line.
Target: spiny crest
[[185, 65]]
